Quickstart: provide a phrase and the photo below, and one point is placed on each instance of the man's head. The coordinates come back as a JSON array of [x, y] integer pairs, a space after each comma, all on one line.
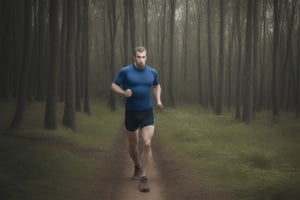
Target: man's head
[[140, 57]]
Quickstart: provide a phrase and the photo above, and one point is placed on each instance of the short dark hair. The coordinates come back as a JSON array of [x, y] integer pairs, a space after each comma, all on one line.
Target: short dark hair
[[139, 49]]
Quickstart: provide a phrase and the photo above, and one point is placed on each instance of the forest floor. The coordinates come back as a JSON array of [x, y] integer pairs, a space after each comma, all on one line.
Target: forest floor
[[112, 180], [166, 179]]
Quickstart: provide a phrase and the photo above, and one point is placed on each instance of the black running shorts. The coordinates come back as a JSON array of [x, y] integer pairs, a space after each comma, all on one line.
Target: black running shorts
[[138, 119]]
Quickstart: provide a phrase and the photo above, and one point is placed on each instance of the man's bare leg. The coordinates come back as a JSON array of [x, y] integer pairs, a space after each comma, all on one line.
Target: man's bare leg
[[147, 134], [133, 140]]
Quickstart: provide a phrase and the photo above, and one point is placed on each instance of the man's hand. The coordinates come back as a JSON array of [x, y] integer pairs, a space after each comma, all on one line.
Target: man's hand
[[159, 105], [127, 93]]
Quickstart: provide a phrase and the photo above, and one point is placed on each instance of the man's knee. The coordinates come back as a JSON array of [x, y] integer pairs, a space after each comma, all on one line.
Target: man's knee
[[147, 145]]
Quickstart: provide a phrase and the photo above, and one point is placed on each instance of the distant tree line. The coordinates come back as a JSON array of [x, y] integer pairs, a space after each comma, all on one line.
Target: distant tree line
[[233, 54]]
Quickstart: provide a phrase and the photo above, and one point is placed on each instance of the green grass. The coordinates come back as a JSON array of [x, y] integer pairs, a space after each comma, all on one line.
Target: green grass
[[42, 164], [95, 131], [256, 161], [35, 171]]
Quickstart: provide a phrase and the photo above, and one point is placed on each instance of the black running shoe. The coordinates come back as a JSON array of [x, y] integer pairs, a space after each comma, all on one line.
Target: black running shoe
[[144, 187], [137, 173]]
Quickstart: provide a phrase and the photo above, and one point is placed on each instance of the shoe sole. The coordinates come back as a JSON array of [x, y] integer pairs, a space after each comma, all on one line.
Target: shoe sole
[[136, 178], [144, 190]]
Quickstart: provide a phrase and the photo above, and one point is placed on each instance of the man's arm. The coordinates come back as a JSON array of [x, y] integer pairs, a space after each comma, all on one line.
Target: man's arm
[[117, 89], [157, 94]]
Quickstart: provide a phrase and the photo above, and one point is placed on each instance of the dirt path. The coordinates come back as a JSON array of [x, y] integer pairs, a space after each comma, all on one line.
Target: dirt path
[[128, 188], [168, 178]]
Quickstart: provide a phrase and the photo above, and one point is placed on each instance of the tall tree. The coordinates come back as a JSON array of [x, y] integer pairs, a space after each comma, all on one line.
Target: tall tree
[[171, 52], [112, 21], [78, 57], [146, 22], [6, 55], [26, 63], [85, 52], [161, 49], [69, 119], [275, 103], [210, 87], [229, 63], [126, 38], [298, 73], [239, 61], [63, 60], [263, 63], [199, 55], [247, 82], [256, 51], [41, 52], [185, 41], [220, 79], [287, 65], [50, 121], [132, 24]]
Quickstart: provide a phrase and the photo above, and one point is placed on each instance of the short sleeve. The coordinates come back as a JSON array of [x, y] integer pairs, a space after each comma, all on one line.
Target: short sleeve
[[119, 78], [155, 81]]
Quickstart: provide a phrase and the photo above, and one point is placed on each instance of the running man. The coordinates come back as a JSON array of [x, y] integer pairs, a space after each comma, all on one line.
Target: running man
[[136, 83]]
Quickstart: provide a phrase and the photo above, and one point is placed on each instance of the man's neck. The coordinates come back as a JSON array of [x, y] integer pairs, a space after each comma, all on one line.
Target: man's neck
[[138, 67]]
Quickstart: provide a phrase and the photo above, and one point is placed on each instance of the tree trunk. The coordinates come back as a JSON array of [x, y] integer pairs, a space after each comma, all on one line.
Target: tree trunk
[[85, 48], [298, 74], [171, 52], [218, 105], [41, 53], [126, 38], [50, 121], [247, 82], [228, 75], [70, 108], [185, 43], [27, 58], [201, 93], [145, 14], [275, 106], [78, 58], [288, 61], [162, 47], [63, 60], [261, 88], [210, 87], [132, 25], [112, 20], [255, 54]]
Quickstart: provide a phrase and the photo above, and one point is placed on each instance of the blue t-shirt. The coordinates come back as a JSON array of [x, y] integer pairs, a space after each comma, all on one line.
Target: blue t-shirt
[[140, 81]]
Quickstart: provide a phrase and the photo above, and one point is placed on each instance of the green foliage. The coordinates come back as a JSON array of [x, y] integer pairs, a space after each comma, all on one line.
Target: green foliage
[[254, 161]]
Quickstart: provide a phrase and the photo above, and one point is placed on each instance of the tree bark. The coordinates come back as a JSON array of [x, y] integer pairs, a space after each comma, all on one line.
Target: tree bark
[[69, 119], [85, 47], [171, 52], [199, 53], [27, 58], [112, 38], [50, 121], [275, 106], [298, 73], [220, 79], [210, 87], [185, 42], [247, 82], [145, 14]]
